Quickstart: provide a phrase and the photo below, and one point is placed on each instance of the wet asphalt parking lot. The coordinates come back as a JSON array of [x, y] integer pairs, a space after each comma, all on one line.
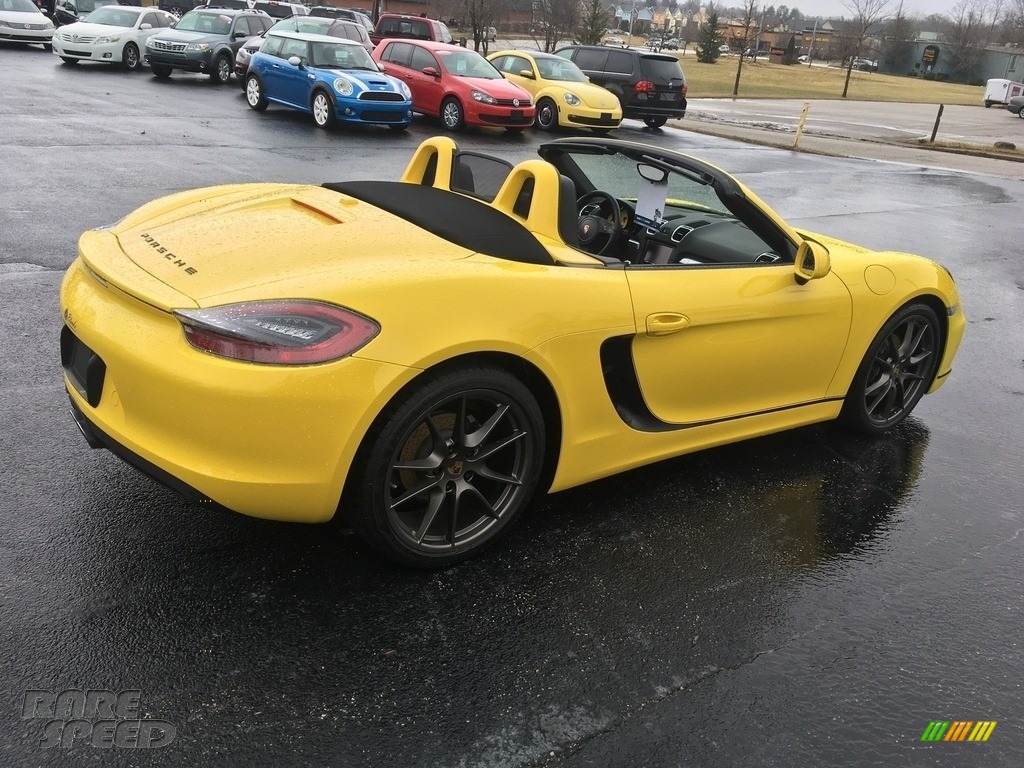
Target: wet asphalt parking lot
[[813, 598]]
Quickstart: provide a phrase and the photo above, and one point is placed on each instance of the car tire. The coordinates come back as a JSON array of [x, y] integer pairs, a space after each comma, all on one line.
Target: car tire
[[471, 439], [130, 57], [1020, 113], [655, 122], [223, 68], [48, 47], [896, 371], [178, 11], [254, 94], [160, 71], [69, 60], [515, 130], [452, 116], [987, 103], [323, 109], [546, 116], [398, 127]]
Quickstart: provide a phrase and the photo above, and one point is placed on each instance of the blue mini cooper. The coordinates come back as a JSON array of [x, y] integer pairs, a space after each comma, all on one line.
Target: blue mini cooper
[[334, 79]]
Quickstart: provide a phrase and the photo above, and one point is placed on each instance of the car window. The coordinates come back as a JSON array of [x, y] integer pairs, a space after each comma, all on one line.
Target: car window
[[443, 35], [620, 63], [291, 48], [516, 64], [272, 46], [242, 25], [660, 68], [411, 28], [421, 58], [593, 60], [150, 18], [464, 63], [398, 53], [556, 69], [210, 23]]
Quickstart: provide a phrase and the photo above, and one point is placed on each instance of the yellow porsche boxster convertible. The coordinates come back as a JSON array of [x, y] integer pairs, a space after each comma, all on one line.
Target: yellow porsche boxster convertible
[[422, 355], [563, 94]]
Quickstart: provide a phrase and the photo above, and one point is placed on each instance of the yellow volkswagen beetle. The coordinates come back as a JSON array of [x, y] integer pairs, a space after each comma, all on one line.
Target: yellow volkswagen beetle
[[563, 94]]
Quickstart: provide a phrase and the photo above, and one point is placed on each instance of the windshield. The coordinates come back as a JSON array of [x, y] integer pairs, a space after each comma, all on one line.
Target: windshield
[[621, 176], [25, 6], [560, 69], [342, 56], [467, 64], [199, 21], [113, 16]]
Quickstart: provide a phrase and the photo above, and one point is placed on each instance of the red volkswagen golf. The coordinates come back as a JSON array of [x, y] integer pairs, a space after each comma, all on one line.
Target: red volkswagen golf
[[458, 85]]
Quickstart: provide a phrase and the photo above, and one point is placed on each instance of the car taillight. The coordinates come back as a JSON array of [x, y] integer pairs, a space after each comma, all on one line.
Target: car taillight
[[645, 86], [292, 332], [683, 89]]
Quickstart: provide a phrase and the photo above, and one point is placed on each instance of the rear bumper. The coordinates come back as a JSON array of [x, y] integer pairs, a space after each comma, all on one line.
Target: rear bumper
[[274, 442]]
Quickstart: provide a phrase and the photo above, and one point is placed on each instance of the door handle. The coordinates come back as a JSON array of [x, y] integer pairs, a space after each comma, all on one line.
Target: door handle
[[664, 323]]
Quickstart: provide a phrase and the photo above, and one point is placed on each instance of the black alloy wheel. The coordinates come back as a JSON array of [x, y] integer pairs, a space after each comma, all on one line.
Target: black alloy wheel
[[896, 372], [446, 470], [547, 115]]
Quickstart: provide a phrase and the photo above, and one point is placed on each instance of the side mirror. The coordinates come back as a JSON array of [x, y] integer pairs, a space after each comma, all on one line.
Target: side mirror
[[527, 73], [295, 61], [239, 35], [431, 71], [812, 262], [145, 25]]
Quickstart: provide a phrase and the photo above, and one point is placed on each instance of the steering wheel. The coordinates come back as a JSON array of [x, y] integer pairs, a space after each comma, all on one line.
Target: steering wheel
[[596, 234]]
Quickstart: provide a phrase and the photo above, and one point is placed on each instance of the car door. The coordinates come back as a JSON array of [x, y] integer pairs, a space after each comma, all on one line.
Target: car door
[[296, 81], [427, 90], [715, 343]]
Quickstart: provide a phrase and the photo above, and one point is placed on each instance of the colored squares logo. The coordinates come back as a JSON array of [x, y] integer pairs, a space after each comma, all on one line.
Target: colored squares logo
[[958, 730]]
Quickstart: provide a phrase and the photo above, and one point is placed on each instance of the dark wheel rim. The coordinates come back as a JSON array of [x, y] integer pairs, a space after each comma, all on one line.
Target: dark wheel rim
[[131, 57], [898, 372], [546, 114], [458, 472], [451, 114], [223, 70], [321, 109], [252, 91]]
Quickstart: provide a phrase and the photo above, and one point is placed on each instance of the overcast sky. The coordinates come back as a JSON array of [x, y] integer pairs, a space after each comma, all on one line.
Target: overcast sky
[[836, 7]]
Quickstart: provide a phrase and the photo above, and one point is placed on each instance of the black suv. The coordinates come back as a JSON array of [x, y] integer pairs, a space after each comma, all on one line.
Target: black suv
[[650, 86], [204, 40]]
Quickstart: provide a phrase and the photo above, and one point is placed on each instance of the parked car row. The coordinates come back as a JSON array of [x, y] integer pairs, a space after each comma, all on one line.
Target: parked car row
[[325, 65]]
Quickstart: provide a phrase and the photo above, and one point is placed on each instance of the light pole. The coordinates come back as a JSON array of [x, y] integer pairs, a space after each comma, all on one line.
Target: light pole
[[814, 38]]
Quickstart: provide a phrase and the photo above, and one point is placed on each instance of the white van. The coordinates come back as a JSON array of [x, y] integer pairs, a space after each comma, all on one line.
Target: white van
[[1000, 91]]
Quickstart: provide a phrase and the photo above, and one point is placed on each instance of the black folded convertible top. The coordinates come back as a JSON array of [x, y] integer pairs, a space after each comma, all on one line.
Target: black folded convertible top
[[458, 219]]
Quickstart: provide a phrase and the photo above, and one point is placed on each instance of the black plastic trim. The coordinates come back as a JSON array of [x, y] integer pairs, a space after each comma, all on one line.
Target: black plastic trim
[[623, 385], [97, 438]]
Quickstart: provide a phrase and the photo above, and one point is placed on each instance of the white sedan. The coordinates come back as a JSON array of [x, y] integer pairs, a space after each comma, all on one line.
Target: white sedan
[[114, 34], [22, 22]]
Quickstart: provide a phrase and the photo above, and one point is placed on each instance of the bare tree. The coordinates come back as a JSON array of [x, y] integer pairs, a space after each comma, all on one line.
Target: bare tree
[[867, 14], [481, 14], [559, 19], [898, 38], [968, 29], [1013, 24], [749, 21]]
